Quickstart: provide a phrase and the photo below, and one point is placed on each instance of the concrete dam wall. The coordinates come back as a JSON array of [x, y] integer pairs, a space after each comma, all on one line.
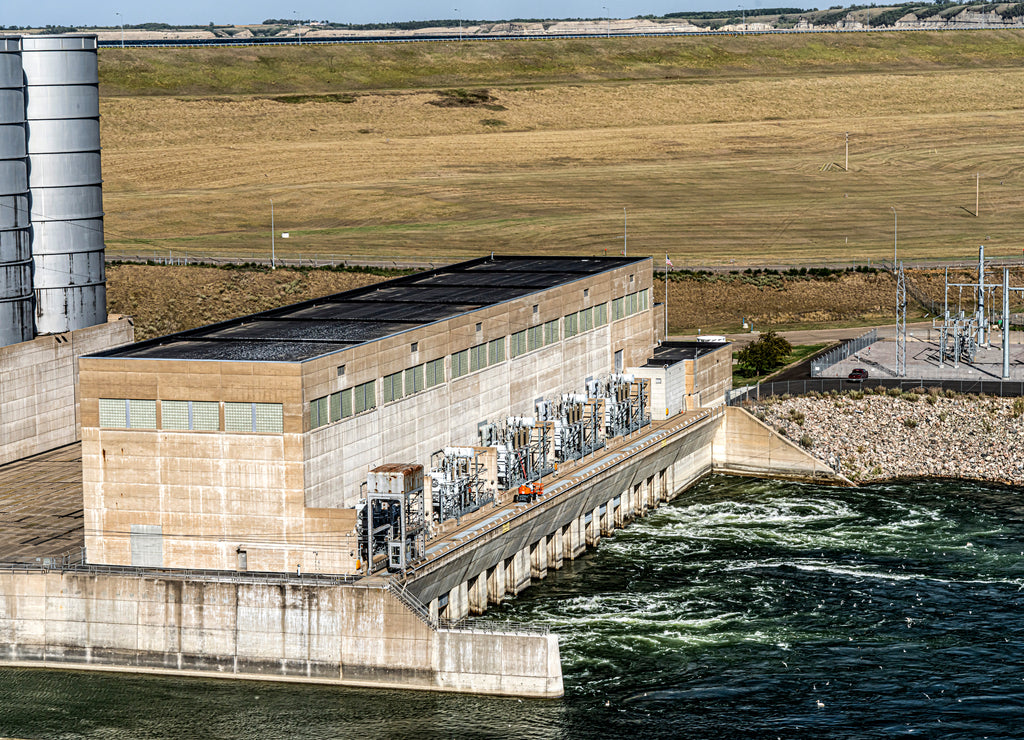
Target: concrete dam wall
[[369, 633]]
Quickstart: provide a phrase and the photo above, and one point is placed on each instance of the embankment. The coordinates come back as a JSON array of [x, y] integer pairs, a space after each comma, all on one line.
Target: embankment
[[877, 436]]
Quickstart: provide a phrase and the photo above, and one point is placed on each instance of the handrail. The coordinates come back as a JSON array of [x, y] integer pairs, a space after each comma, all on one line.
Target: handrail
[[553, 498], [56, 565]]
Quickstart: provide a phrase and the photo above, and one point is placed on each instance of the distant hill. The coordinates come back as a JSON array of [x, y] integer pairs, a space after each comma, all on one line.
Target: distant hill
[[855, 17]]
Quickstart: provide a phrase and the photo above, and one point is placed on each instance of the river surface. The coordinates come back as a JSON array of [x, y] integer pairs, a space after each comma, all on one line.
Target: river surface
[[744, 609]]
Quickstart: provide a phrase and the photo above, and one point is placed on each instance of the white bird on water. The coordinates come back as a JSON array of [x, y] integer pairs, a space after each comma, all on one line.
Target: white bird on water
[[821, 704]]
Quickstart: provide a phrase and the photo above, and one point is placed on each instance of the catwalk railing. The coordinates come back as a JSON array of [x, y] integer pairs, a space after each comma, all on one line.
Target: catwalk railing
[[1005, 388]]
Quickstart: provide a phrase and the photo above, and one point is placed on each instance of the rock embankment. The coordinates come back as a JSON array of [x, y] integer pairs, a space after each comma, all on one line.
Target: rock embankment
[[877, 436]]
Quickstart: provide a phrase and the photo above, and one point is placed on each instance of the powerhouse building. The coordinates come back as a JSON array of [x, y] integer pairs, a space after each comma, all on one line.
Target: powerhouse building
[[247, 443]]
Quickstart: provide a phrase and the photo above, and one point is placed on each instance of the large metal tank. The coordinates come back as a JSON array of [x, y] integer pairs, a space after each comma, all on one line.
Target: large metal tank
[[65, 185], [16, 319]]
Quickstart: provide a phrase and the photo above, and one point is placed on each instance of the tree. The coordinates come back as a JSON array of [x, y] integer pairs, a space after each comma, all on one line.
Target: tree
[[767, 353]]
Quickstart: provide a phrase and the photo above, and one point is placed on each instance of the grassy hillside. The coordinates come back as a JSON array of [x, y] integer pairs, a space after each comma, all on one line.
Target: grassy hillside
[[362, 67], [725, 150]]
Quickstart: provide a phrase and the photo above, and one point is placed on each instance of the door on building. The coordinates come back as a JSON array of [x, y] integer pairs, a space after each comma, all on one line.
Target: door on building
[[618, 360]]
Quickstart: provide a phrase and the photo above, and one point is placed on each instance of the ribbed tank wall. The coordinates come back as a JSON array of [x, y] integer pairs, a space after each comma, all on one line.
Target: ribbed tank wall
[[16, 320], [65, 183]]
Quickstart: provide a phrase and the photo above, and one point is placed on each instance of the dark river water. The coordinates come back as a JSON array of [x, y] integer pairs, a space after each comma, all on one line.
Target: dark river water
[[745, 609]]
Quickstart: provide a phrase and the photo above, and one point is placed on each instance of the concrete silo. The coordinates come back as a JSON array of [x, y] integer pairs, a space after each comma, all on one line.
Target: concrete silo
[[65, 184], [16, 319]]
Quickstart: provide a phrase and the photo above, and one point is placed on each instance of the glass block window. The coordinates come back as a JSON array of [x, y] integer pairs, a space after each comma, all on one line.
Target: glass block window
[[238, 417], [460, 364], [268, 418], [174, 415], [600, 314], [205, 416], [631, 304], [551, 334], [141, 414], [114, 413], [477, 357], [643, 299], [496, 351], [414, 379], [517, 344], [434, 373], [618, 308], [335, 406], [534, 338], [346, 403], [392, 387]]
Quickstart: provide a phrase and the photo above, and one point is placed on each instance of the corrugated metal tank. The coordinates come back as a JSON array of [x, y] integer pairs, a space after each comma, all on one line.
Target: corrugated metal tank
[[16, 319], [65, 184]]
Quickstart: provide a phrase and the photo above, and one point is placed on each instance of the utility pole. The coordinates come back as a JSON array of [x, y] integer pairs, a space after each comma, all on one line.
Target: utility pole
[[895, 235], [977, 195], [272, 267], [847, 168]]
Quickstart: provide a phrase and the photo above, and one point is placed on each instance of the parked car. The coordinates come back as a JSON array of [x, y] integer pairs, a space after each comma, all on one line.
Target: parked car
[[858, 373]]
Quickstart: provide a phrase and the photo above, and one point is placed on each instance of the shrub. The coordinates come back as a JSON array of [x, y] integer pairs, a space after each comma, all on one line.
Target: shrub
[[806, 442], [1018, 406], [910, 423]]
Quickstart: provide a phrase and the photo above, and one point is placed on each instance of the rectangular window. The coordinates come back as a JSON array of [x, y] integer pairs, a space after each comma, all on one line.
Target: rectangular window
[[434, 372], [346, 403], [414, 380], [319, 412], [268, 418], [460, 364], [643, 299], [600, 314], [534, 338], [586, 319], [496, 351], [631, 304], [618, 308], [551, 334], [141, 414], [335, 405], [478, 357], [571, 325], [238, 416], [364, 397], [114, 413], [517, 344], [174, 415], [205, 416], [392, 387]]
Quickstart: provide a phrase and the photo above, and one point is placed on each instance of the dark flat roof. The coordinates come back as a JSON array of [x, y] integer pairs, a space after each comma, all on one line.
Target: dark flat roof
[[669, 353], [324, 325]]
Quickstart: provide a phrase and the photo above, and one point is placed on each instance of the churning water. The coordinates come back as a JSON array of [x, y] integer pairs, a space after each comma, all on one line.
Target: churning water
[[743, 609]]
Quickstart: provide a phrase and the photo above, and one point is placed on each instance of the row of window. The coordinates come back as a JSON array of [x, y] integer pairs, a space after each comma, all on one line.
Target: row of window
[[198, 416], [351, 401], [629, 304]]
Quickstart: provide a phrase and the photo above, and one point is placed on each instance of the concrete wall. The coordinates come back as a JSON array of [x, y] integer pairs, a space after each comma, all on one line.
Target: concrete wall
[[39, 387], [745, 446], [708, 378], [285, 631]]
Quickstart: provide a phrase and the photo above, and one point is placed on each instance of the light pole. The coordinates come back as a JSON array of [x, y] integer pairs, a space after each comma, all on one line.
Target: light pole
[[298, 30], [895, 234], [459, 17], [120, 20], [272, 267], [607, 22], [847, 167]]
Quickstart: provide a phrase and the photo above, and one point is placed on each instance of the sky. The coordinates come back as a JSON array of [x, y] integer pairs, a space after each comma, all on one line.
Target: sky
[[198, 12]]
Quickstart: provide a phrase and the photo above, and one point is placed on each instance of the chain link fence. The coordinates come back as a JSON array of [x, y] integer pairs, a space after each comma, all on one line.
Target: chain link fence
[[1004, 388], [843, 351]]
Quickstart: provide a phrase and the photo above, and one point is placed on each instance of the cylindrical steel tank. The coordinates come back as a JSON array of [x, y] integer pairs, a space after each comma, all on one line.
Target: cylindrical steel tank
[[65, 185], [17, 324]]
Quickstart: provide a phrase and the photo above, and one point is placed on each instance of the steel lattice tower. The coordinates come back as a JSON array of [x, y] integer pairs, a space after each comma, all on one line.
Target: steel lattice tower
[[901, 323]]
